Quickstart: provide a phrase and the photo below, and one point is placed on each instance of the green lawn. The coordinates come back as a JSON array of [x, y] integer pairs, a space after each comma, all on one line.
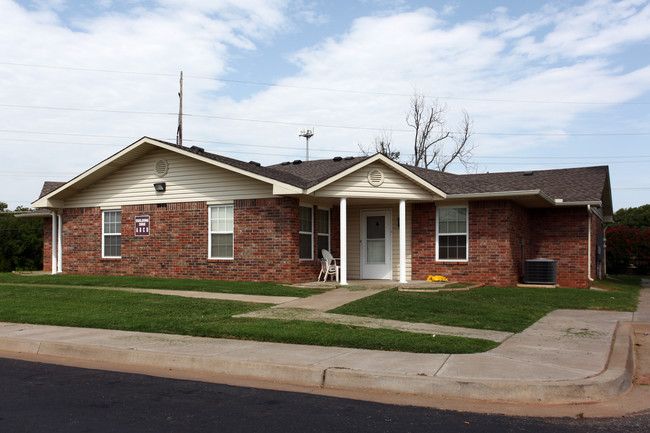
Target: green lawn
[[508, 309], [110, 309], [271, 289]]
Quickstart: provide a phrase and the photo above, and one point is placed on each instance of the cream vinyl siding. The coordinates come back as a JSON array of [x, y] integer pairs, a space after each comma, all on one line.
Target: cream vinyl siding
[[187, 180], [354, 239], [356, 185]]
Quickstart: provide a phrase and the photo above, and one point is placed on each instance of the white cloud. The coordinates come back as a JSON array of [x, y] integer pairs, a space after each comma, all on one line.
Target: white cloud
[[551, 54]]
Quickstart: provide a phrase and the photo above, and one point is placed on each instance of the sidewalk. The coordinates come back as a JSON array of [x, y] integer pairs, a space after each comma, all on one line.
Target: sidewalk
[[567, 357]]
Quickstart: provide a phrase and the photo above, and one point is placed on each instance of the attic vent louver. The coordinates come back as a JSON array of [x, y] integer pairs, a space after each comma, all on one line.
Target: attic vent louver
[[161, 168], [375, 177], [337, 158]]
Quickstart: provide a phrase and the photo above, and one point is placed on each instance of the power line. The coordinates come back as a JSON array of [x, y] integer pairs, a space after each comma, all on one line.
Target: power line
[[325, 89], [366, 128], [608, 159]]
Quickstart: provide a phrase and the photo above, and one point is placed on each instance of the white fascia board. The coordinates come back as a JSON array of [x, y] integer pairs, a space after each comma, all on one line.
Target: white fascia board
[[597, 203], [48, 200], [526, 193], [285, 189], [47, 203], [390, 163], [503, 194]]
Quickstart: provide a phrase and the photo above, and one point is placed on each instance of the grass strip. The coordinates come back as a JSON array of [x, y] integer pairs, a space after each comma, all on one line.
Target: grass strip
[[205, 318], [510, 309], [218, 286]]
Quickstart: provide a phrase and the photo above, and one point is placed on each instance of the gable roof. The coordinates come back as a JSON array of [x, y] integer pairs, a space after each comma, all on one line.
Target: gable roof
[[573, 186], [48, 187]]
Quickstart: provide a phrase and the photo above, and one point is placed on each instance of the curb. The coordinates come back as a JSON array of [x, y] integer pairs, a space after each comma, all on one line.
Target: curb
[[613, 381]]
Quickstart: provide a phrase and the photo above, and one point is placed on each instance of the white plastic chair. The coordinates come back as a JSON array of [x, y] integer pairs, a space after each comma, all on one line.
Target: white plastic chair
[[328, 266]]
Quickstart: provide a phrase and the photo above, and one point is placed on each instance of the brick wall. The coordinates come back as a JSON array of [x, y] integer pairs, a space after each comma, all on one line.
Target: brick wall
[[561, 235], [494, 256], [496, 231], [265, 243]]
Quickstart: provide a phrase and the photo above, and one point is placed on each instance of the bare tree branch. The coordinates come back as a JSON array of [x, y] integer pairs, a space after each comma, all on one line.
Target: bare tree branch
[[383, 144], [431, 134]]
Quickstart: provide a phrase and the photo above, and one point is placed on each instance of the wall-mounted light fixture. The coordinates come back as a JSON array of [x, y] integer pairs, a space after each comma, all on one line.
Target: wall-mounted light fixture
[[160, 187]]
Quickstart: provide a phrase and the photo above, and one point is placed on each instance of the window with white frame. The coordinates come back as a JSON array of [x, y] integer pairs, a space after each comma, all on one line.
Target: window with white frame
[[323, 230], [451, 233], [306, 233], [112, 234], [221, 232]]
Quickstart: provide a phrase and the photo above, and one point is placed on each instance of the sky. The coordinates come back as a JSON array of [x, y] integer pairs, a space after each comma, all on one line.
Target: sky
[[547, 85]]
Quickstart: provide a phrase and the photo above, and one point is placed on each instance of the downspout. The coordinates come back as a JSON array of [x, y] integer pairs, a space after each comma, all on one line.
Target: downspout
[[55, 244], [59, 247], [589, 243]]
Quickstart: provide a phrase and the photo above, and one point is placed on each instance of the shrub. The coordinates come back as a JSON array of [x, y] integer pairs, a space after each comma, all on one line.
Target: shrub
[[627, 248]]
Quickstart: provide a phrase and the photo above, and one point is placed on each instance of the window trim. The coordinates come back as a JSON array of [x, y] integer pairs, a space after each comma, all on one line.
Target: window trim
[[329, 231], [217, 232], [104, 234], [466, 233], [310, 233]]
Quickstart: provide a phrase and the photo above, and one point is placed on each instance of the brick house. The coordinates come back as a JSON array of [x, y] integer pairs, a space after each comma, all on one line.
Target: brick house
[[158, 209]]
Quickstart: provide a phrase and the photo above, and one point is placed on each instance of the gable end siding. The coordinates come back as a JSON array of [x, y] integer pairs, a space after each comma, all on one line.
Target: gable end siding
[[394, 186], [188, 180]]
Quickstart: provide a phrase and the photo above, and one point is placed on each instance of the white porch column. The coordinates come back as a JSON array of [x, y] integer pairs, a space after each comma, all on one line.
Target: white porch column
[[402, 241], [59, 246], [55, 243], [343, 222]]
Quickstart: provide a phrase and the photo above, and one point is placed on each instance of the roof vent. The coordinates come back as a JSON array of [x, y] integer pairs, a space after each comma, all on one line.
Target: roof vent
[[375, 177], [348, 158], [285, 163], [528, 173], [255, 163], [161, 168], [337, 158], [197, 149], [297, 161]]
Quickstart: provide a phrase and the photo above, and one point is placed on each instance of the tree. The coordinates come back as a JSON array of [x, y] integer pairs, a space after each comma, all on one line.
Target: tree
[[627, 247], [21, 241], [383, 144], [636, 217], [432, 135]]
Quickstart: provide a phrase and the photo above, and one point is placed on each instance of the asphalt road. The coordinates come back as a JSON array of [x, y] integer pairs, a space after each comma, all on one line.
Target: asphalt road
[[36, 397]]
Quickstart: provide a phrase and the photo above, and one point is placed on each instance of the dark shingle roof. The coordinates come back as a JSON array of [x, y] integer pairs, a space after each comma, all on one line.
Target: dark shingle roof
[[302, 174], [48, 187], [585, 184], [313, 172], [570, 184]]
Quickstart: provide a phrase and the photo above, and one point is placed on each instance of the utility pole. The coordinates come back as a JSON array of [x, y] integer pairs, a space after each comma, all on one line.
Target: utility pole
[[307, 133], [179, 131]]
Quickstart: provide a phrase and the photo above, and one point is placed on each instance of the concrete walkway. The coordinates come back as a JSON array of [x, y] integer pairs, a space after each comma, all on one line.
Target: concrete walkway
[[567, 357], [561, 359], [260, 299], [283, 313]]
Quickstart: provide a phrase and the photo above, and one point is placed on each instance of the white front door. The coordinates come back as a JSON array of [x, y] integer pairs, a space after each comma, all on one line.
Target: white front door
[[376, 263]]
